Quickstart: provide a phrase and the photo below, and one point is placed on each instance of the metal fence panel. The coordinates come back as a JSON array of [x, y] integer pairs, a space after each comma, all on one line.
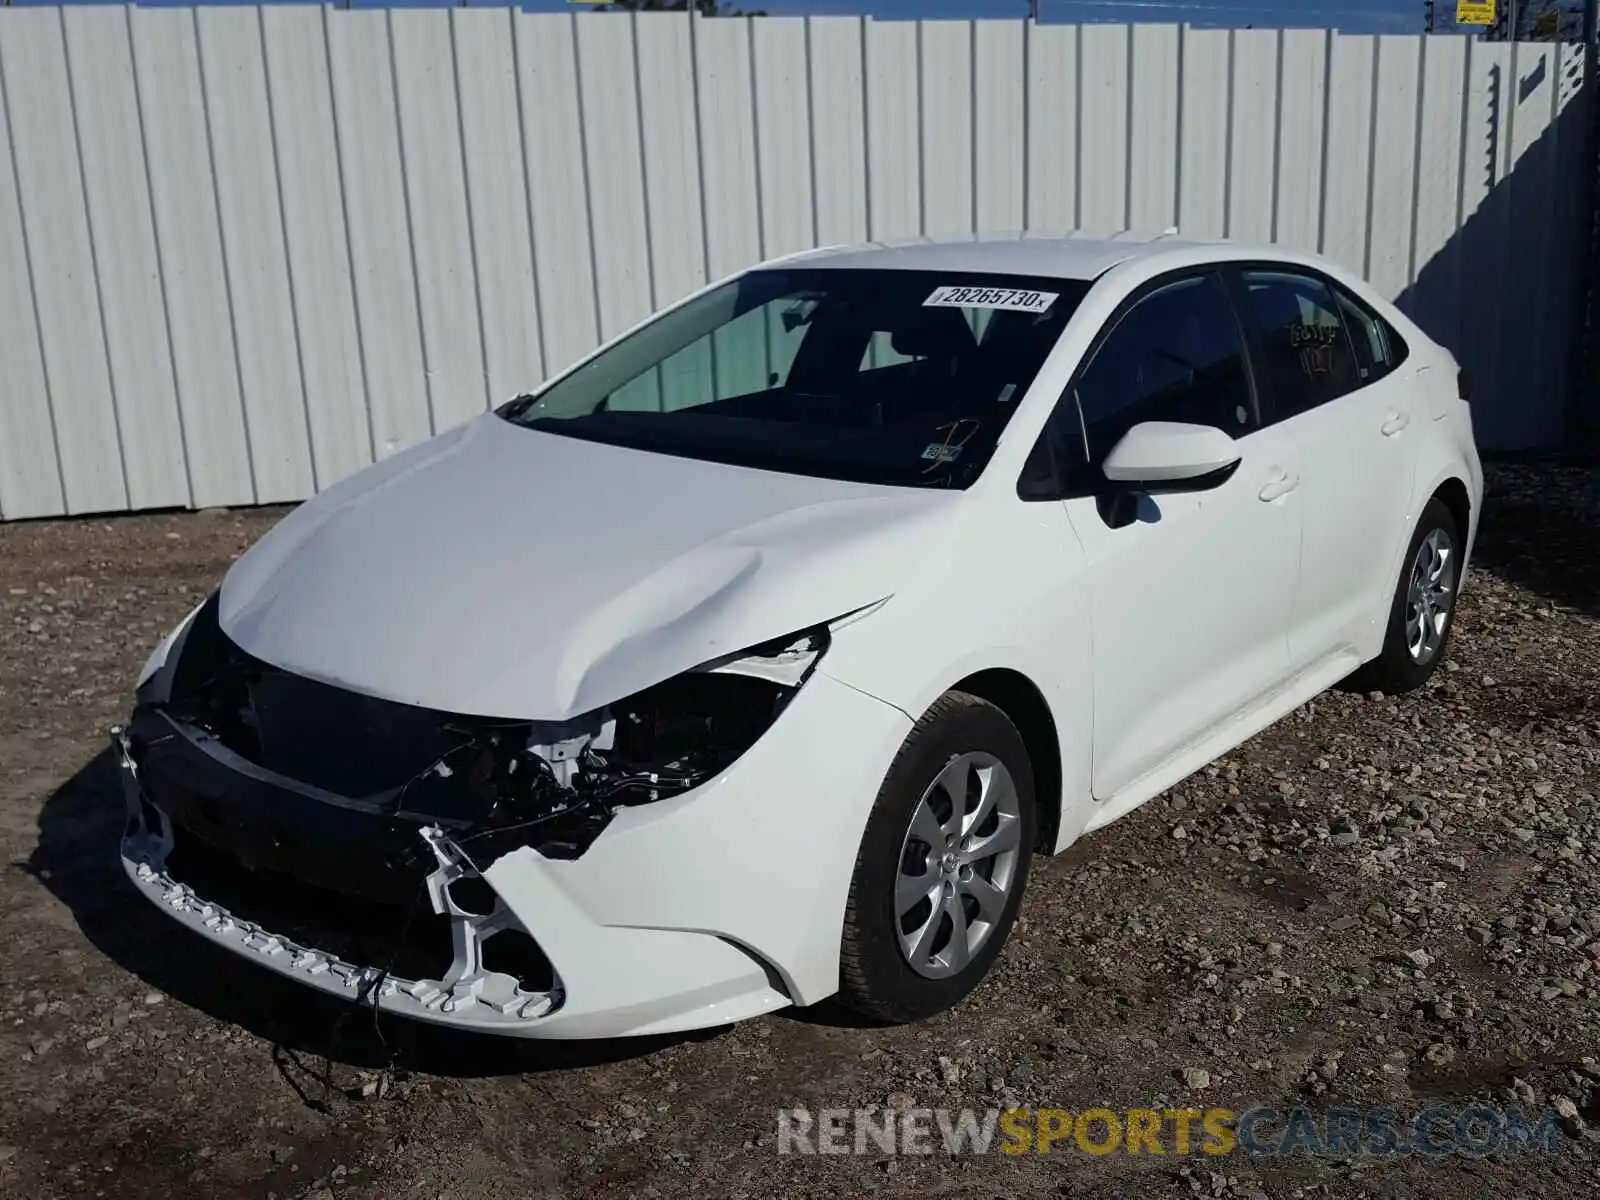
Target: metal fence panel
[[195, 286], [246, 251], [61, 252], [245, 175], [1104, 84], [122, 232], [496, 186], [1203, 138], [1302, 109], [1254, 114], [1153, 126], [317, 242]]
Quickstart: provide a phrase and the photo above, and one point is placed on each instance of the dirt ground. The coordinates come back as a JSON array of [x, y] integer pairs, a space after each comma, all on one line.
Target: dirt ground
[[1251, 937]]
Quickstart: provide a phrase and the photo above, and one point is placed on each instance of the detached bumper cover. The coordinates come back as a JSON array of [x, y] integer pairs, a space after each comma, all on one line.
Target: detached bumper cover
[[719, 904]]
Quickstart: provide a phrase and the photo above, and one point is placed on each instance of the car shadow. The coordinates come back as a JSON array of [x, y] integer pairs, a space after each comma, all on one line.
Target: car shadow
[[1537, 535], [76, 859], [829, 1014]]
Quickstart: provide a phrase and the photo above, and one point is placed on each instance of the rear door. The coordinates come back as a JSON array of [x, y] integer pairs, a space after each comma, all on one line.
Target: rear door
[[1329, 367]]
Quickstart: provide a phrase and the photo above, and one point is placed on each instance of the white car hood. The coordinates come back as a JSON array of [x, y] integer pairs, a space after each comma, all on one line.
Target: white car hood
[[501, 571]]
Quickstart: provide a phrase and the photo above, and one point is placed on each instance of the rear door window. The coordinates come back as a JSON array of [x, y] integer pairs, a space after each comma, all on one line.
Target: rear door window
[[1378, 348], [1307, 354]]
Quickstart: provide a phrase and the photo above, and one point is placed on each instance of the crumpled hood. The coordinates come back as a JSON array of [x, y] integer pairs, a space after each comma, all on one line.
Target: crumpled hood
[[501, 571]]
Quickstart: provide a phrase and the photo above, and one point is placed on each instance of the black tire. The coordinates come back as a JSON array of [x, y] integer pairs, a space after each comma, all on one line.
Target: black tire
[[875, 977], [1395, 671]]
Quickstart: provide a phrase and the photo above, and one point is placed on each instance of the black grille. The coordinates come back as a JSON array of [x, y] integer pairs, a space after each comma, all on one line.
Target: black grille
[[342, 742], [325, 736]]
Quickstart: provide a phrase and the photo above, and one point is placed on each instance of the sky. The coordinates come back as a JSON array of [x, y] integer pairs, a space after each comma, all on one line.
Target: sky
[[1353, 16]]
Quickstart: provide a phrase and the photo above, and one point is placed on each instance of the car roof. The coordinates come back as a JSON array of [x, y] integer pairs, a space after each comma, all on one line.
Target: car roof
[[1069, 256]]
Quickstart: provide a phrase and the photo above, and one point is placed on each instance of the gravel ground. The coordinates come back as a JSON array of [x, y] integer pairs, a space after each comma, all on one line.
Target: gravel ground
[[1376, 903]]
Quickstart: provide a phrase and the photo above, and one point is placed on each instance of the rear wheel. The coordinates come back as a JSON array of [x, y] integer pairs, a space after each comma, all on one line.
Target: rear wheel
[[1423, 609], [941, 867]]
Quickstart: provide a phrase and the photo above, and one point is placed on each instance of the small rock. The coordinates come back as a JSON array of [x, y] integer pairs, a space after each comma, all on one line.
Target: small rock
[[901, 1100], [1440, 1053], [1567, 1111], [95, 1043], [1197, 1078], [1344, 834]]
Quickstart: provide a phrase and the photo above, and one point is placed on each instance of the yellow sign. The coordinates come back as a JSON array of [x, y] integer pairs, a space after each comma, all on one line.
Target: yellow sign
[[1474, 12]]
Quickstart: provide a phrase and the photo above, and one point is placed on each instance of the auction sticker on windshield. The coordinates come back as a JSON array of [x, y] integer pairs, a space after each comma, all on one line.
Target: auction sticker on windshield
[[1008, 299]]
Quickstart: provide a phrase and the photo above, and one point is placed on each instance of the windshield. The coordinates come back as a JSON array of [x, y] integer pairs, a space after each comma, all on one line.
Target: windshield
[[891, 377]]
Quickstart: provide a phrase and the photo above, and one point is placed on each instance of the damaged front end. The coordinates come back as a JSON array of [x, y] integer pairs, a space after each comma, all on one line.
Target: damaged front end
[[345, 838]]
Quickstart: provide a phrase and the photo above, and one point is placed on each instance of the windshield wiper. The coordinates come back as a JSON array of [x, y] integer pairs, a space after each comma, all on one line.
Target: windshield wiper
[[517, 407]]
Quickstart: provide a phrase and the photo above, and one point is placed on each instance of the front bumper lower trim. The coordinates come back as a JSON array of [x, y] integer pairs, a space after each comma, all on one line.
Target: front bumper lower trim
[[468, 995]]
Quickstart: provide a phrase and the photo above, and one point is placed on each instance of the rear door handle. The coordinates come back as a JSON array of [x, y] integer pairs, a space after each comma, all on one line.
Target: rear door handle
[[1395, 423], [1281, 484]]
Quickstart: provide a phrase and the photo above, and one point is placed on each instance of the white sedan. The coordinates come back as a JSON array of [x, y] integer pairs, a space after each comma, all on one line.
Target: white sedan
[[749, 662]]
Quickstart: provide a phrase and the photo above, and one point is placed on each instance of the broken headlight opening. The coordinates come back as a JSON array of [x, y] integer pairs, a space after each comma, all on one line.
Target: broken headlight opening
[[353, 814]]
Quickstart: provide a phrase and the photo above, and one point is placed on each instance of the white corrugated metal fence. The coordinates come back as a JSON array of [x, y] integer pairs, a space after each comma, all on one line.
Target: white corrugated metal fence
[[245, 251]]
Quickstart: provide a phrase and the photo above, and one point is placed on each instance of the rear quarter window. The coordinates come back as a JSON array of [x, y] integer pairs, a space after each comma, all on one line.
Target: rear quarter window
[[1378, 348]]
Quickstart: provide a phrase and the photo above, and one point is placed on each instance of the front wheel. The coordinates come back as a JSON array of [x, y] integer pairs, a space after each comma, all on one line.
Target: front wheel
[[942, 864], [1423, 609]]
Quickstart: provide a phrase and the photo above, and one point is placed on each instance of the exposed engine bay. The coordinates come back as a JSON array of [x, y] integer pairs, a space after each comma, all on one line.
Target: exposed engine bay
[[491, 783], [365, 825]]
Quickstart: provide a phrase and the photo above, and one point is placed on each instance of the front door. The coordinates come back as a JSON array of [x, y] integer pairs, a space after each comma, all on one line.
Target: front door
[[1190, 601]]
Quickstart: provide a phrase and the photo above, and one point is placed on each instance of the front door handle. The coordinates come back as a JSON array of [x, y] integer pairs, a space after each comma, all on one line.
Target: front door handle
[[1395, 423], [1281, 484]]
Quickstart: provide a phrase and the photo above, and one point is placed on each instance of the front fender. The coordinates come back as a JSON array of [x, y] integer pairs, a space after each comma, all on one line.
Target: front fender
[[1010, 596]]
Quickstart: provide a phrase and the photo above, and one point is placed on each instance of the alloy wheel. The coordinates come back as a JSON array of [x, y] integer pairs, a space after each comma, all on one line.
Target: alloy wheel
[[1429, 596], [958, 862]]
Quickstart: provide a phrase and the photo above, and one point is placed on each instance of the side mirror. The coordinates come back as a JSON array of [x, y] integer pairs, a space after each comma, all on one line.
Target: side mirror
[[1170, 456]]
